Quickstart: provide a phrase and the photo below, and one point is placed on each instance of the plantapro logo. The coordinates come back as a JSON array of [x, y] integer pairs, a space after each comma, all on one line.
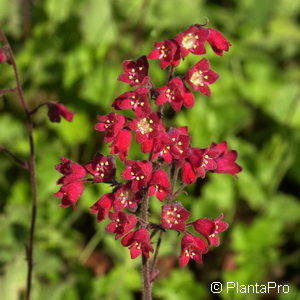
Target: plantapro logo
[[235, 287]]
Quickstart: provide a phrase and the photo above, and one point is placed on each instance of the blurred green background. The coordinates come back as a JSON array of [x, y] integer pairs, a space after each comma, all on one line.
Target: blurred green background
[[71, 50]]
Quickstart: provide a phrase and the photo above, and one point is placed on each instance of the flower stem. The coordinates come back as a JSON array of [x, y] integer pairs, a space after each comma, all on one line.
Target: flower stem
[[179, 191], [31, 167], [40, 105], [171, 72], [156, 253], [147, 295], [6, 91]]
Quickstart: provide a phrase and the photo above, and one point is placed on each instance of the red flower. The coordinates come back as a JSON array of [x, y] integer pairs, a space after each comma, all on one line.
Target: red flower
[[192, 40], [125, 197], [146, 126], [172, 145], [188, 174], [70, 193], [168, 52], [176, 93], [3, 56], [160, 142], [197, 164], [192, 247], [138, 243], [136, 101], [72, 171], [56, 111], [111, 124], [225, 159], [159, 185], [121, 143], [217, 158], [103, 168], [210, 228], [173, 216], [103, 206], [139, 171], [135, 72], [217, 41], [200, 76], [72, 186], [180, 142], [121, 223]]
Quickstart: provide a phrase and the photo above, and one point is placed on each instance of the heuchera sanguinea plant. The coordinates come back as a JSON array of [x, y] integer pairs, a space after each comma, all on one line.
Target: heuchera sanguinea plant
[[173, 161]]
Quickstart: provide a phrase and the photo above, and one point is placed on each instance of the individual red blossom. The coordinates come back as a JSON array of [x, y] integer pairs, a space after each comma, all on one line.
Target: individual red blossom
[[203, 160], [172, 145], [217, 158], [146, 126], [180, 142], [200, 76], [197, 164], [71, 170], [176, 93], [57, 110], [210, 228], [121, 223], [160, 142], [126, 197], [135, 72], [136, 100], [188, 174], [102, 167], [111, 124], [168, 52], [70, 193], [159, 185], [173, 216], [192, 40], [138, 243], [218, 42], [225, 159], [192, 247], [3, 56], [139, 171], [103, 206], [121, 143]]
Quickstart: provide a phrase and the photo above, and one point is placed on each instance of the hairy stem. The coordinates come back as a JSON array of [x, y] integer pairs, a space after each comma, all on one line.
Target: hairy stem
[[156, 253], [31, 167], [171, 72], [147, 295], [179, 191], [175, 177]]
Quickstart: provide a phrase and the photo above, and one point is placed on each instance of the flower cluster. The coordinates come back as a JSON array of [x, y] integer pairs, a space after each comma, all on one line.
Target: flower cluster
[[173, 162]]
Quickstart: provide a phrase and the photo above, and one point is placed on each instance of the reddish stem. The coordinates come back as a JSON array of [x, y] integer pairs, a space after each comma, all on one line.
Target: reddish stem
[[31, 166], [147, 295], [40, 105], [6, 91], [156, 254]]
